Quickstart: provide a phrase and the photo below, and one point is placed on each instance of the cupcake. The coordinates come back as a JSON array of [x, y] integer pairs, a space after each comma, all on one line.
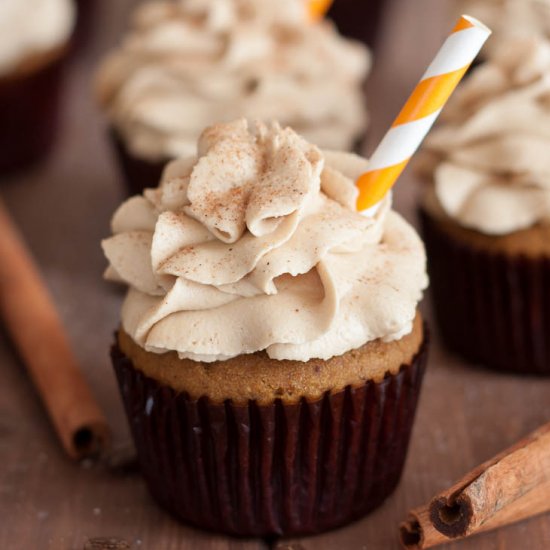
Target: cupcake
[[509, 19], [271, 352], [186, 64], [486, 213], [358, 20], [34, 42]]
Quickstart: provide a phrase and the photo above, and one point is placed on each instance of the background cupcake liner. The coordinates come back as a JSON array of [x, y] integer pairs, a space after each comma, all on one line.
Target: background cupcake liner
[[29, 113], [260, 470], [137, 173], [360, 20], [492, 309], [86, 15]]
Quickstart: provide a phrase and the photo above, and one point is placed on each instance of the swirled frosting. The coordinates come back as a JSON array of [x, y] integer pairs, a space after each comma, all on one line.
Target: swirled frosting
[[30, 27], [489, 159], [254, 244], [187, 64], [509, 19]]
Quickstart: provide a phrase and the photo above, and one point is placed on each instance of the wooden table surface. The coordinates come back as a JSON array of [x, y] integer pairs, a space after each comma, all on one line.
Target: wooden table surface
[[63, 208]]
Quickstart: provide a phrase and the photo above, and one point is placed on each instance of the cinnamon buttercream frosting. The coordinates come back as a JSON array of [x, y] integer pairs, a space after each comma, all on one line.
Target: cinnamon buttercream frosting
[[509, 19], [489, 158], [31, 27], [254, 244], [190, 63]]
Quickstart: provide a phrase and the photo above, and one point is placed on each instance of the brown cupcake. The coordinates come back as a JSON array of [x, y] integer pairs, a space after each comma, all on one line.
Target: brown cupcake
[[491, 294], [486, 212], [271, 353], [256, 447]]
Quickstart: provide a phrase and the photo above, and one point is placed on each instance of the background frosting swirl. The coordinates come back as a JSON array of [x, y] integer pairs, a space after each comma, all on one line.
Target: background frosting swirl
[[190, 63], [509, 19], [255, 245], [30, 27], [489, 158]]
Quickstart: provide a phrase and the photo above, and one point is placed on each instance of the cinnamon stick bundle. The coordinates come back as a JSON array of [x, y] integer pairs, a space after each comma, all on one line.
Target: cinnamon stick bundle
[[512, 486], [30, 317]]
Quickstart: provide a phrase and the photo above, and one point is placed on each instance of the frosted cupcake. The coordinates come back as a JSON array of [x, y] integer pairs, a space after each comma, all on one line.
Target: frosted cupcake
[[509, 19], [34, 42], [271, 351], [486, 215], [186, 64]]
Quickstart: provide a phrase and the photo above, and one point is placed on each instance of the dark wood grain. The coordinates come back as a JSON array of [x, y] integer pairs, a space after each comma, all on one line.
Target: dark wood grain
[[63, 208]]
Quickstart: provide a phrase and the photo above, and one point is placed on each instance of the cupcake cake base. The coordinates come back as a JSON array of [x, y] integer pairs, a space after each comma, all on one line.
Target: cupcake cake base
[[280, 468], [492, 306]]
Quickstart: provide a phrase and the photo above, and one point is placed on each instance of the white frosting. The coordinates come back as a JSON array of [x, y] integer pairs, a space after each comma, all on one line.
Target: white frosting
[[509, 19], [187, 64], [29, 27], [255, 245], [490, 157]]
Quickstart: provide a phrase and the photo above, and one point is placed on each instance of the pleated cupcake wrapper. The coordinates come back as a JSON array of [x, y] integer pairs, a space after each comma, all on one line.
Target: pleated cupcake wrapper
[[29, 115], [359, 20], [138, 174], [86, 21], [492, 309], [279, 469]]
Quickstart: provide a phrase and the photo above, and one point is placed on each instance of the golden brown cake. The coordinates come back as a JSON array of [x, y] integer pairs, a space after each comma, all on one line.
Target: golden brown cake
[[257, 377]]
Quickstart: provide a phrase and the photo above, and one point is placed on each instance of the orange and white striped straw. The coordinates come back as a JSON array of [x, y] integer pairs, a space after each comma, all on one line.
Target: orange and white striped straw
[[421, 110], [317, 9]]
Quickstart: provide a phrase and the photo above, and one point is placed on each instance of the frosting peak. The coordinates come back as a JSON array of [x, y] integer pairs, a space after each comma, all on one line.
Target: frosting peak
[[189, 63], [489, 157], [255, 245]]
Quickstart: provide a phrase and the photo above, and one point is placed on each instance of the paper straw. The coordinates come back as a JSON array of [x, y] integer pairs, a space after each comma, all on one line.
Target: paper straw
[[421, 110], [318, 8]]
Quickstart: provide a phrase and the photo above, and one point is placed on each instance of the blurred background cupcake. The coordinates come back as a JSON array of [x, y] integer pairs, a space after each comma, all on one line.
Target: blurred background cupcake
[[486, 213], [359, 19], [185, 64], [34, 43], [509, 19], [271, 350]]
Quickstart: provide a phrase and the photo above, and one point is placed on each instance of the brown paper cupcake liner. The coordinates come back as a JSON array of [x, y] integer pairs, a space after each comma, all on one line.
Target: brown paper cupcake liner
[[29, 112], [492, 309], [279, 469], [86, 16], [359, 20], [137, 174]]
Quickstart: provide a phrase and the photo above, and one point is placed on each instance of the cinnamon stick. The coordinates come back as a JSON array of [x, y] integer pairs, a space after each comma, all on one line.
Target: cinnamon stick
[[512, 486], [31, 319]]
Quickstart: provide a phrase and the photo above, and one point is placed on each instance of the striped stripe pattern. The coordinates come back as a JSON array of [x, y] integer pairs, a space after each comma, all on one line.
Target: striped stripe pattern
[[318, 8], [421, 110]]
